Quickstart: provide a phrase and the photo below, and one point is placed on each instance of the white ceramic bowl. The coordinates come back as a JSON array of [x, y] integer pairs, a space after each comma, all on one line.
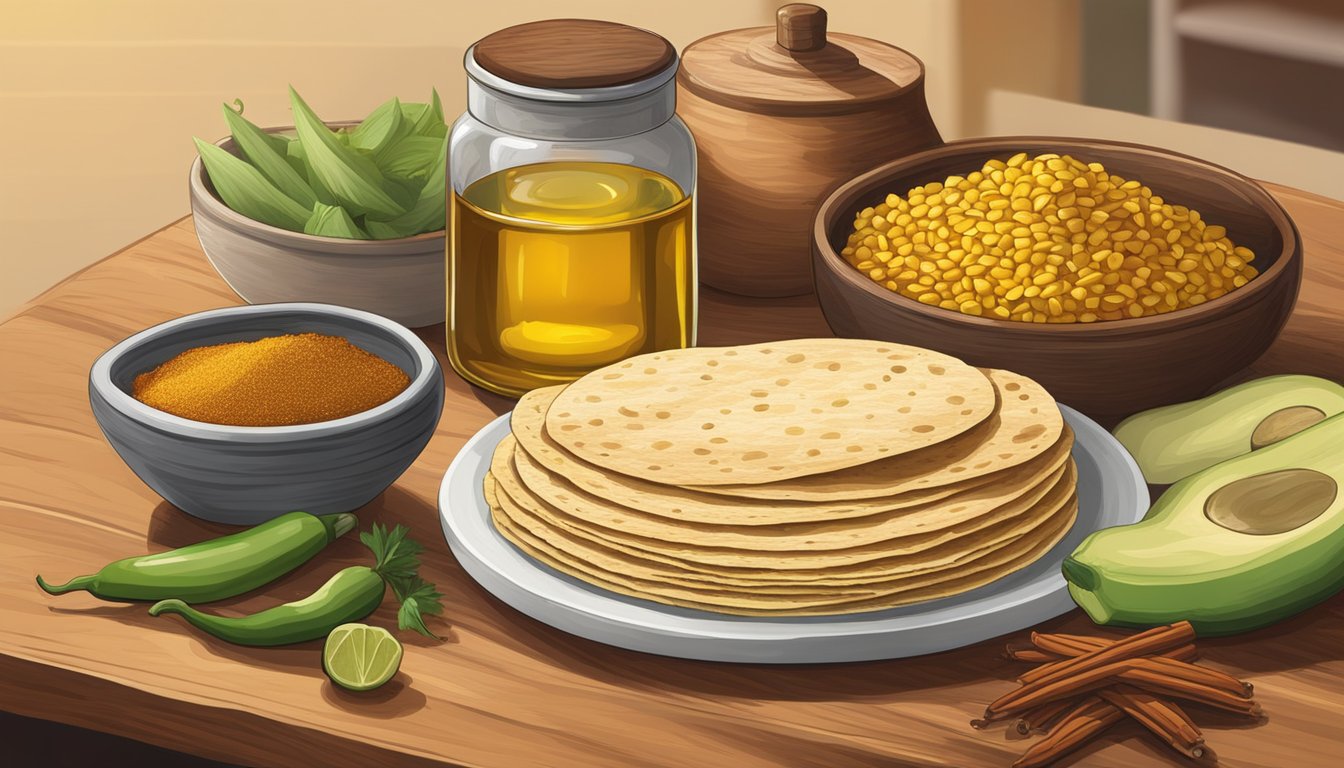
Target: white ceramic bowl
[[247, 475], [401, 279]]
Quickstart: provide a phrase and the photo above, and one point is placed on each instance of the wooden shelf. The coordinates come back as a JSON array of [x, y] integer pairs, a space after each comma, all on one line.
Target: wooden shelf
[[1296, 32]]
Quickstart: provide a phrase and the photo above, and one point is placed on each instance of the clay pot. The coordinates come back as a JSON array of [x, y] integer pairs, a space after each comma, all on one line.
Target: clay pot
[[781, 116]]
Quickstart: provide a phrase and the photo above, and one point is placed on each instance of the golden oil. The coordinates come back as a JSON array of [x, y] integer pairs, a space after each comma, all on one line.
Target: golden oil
[[559, 268]]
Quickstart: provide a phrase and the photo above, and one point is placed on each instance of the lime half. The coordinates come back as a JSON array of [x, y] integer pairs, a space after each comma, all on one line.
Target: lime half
[[360, 657]]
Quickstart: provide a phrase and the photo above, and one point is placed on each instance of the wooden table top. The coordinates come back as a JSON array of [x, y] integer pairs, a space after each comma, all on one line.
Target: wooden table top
[[501, 689]]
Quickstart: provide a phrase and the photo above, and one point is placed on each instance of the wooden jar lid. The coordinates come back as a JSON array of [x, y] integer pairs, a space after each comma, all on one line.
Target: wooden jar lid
[[573, 53], [796, 68]]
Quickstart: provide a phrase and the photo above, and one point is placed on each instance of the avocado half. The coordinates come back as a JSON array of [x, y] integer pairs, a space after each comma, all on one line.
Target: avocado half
[[1235, 547], [1176, 441]]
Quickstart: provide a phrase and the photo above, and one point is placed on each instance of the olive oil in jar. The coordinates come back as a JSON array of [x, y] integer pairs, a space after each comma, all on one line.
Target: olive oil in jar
[[562, 267]]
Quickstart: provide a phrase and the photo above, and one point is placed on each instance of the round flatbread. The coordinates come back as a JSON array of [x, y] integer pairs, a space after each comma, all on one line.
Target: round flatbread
[[528, 424], [813, 545], [508, 513], [978, 503], [1028, 421], [763, 413], [951, 552], [1024, 551]]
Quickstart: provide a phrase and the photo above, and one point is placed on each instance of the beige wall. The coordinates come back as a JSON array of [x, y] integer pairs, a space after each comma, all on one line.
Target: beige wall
[[926, 28], [1029, 46], [99, 99]]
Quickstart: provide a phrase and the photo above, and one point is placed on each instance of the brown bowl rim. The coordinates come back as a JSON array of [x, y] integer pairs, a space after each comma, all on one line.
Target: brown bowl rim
[[238, 220], [1189, 316]]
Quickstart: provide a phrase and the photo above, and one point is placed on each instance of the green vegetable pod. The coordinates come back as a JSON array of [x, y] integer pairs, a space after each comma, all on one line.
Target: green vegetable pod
[[350, 595], [383, 128], [267, 154], [352, 178], [429, 211], [333, 221], [383, 179], [218, 568], [245, 190]]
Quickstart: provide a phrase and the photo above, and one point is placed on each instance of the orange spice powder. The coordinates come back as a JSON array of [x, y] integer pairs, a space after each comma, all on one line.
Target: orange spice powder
[[276, 381]]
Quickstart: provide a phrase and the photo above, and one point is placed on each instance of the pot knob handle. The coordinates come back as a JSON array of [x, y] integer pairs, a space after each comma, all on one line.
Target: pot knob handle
[[800, 27]]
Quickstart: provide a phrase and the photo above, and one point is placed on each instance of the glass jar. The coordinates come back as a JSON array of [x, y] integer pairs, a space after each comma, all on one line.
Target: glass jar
[[571, 218]]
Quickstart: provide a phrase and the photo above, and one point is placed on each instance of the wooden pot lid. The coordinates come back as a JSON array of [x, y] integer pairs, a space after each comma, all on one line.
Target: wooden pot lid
[[573, 53], [797, 68]]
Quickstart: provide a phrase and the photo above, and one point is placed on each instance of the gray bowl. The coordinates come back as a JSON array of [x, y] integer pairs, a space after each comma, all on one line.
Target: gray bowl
[[247, 475], [402, 279]]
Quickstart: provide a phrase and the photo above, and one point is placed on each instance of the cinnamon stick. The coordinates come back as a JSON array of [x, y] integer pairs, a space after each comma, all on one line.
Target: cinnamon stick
[[1148, 643], [1154, 641], [1065, 645], [1033, 655], [1051, 689], [1157, 682], [1041, 718], [1083, 643], [1068, 646], [1142, 672], [1083, 684], [1164, 719], [1197, 674], [1092, 641], [1082, 723], [1184, 653]]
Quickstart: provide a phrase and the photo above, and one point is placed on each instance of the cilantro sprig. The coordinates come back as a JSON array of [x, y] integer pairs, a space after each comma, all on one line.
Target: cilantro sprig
[[397, 561]]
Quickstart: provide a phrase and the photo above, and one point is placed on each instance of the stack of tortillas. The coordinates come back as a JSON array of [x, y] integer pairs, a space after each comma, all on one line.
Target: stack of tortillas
[[816, 476]]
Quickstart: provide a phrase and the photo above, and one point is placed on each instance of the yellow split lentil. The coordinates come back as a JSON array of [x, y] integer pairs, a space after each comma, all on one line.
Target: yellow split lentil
[[1045, 239], [276, 381]]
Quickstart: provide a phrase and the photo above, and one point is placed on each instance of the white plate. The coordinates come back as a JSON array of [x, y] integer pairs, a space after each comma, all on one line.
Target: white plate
[[1111, 491]]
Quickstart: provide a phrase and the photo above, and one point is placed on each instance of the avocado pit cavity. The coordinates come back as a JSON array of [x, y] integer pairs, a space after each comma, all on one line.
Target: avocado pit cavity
[[1284, 423], [1274, 502]]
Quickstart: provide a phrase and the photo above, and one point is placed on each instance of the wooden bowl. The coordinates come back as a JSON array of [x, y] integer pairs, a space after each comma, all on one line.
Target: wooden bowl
[[1106, 369]]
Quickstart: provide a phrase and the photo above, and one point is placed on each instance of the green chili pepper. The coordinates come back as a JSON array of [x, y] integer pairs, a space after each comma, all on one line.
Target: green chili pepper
[[218, 568], [350, 595]]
